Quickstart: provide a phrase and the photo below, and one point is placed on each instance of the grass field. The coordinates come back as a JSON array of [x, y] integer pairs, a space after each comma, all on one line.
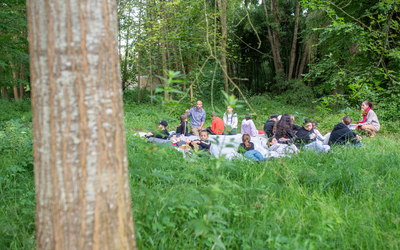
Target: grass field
[[347, 199]]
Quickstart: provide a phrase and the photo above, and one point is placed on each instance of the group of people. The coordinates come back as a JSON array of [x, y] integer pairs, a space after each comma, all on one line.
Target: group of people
[[283, 135]]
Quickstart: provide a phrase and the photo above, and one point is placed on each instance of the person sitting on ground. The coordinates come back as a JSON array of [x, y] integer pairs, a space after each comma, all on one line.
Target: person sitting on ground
[[280, 148], [322, 139], [231, 121], [183, 126], [305, 134], [217, 125], [341, 134], [269, 125], [294, 126], [284, 130], [249, 128], [247, 148], [370, 122], [161, 133], [202, 143], [177, 141], [198, 118]]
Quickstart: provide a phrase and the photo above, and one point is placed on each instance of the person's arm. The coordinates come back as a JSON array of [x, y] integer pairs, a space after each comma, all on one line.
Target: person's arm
[[234, 123], [203, 119], [225, 118], [188, 113], [251, 146], [213, 126]]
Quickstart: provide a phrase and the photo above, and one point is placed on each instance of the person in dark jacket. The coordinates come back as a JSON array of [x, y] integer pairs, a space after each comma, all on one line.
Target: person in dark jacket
[[284, 130], [183, 128], [269, 125], [341, 134], [161, 133], [201, 144], [305, 134]]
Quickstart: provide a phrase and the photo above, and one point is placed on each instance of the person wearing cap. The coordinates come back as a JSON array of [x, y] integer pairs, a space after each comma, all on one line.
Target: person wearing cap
[[198, 117], [230, 121], [183, 126], [217, 125], [269, 125], [161, 133]]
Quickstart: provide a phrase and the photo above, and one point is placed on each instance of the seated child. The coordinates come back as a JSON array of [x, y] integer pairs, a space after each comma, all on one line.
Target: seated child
[[284, 130], [323, 139], [201, 144], [183, 128], [247, 148], [305, 134], [161, 133], [341, 134], [217, 125], [249, 128], [269, 125], [230, 121], [280, 148]]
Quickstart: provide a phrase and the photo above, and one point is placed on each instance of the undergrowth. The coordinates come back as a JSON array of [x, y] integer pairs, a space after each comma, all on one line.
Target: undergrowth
[[347, 199]]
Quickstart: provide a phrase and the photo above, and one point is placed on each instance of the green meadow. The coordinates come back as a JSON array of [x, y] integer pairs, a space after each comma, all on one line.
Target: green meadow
[[346, 199]]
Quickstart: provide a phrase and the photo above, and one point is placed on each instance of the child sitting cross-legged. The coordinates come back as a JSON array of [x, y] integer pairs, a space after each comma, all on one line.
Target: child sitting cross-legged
[[247, 148], [201, 144]]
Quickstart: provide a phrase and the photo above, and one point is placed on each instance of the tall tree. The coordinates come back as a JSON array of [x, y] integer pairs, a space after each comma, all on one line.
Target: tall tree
[[294, 43], [83, 197], [222, 5]]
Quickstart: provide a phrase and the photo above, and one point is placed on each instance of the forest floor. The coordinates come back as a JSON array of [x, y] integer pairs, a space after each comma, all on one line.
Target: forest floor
[[346, 199]]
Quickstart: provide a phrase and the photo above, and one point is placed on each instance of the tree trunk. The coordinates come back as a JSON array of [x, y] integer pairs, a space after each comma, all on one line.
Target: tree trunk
[[15, 88], [271, 40], [82, 189], [222, 5], [275, 37], [293, 50], [21, 84], [189, 72], [183, 65], [303, 60], [138, 49], [5, 93]]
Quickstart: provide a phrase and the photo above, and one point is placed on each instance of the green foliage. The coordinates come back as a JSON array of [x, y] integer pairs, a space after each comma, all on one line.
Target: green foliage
[[298, 93]]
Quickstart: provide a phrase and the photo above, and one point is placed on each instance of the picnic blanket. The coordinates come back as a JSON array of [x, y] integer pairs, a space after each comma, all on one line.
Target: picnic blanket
[[227, 145]]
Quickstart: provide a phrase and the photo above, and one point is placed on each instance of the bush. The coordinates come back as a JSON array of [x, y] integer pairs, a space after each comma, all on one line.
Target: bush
[[298, 93]]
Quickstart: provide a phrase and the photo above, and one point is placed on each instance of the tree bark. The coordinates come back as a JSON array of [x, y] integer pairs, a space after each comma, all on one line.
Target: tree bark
[[271, 40], [138, 48], [5, 93], [222, 5], [293, 50], [303, 60], [275, 36], [15, 88], [82, 189], [21, 84]]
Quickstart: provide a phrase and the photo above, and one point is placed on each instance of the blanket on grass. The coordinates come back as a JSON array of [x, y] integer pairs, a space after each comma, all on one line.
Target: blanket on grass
[[227, 145]]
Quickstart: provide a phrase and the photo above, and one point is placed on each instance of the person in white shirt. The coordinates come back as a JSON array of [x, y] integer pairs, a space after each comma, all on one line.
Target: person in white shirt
[[231, 121]]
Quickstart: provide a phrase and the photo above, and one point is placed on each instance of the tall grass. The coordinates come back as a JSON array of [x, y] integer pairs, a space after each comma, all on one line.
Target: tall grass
[[346, 199]]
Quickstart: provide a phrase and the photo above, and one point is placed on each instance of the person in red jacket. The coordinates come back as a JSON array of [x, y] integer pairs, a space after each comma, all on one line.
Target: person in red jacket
[[217, 125]]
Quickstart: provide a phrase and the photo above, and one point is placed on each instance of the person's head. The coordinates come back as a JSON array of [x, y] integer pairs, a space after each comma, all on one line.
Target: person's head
[[229, 109], [247, 116], [366, 104], [292, 119], [246, 140], [285, 124], [199, 104], [272, 141], [274, 117], [214, 115], [307, 125], [203, 135], [162, 124], [183, 118], [315, 125], [346, 120]]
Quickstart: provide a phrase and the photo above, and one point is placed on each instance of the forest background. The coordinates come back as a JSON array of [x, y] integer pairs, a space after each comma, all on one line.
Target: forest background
[[315, 59]]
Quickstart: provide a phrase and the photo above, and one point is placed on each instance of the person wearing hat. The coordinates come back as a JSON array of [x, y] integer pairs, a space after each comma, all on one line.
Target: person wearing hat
[[161, 133], [217, 125], [269, 125], [183, 126]]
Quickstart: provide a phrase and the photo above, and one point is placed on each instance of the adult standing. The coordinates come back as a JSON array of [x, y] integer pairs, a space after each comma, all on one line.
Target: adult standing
[[370, 122], [198, 117]]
